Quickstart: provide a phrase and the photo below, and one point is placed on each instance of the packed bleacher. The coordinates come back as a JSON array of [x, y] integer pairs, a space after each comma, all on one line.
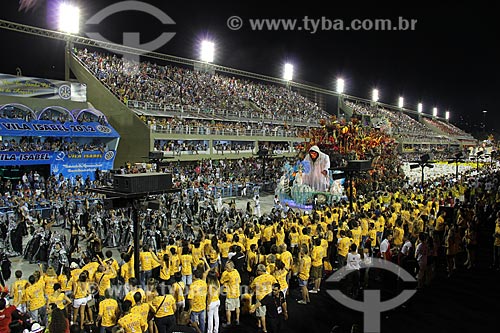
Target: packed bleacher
[[398, 124], [177, 125], [68, 145], [447, 128], [172, 87]]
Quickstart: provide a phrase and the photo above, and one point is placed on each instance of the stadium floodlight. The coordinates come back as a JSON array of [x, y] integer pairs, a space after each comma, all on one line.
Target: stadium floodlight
[[340, 86], [207, 51], [288, 72], [69, 18], [447, 115], [375, 95], [420, 107], [434, 112], [401, 102]]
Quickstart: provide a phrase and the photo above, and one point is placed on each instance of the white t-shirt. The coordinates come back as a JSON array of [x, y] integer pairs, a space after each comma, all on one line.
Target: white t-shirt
[[384, 246], [406, 247], [353, 261], [421, 253]]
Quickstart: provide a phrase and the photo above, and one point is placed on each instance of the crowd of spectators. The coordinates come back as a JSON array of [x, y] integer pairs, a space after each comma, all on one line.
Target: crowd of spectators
[[173, 87], [445, 127], [398, 124], [67, 145], [179, 125]]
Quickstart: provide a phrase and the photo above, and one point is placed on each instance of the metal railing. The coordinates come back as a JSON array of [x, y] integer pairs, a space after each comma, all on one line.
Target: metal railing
[[200, 130]]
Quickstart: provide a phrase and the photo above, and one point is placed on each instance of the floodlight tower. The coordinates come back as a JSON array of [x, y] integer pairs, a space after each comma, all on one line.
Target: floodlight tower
[[68, 22], [207, 51], [340, 91], [401, 102]]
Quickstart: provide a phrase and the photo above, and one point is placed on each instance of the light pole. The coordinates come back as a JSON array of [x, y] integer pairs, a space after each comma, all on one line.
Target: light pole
[[69, 22], [484, 119], [479, 153], [340, 90]]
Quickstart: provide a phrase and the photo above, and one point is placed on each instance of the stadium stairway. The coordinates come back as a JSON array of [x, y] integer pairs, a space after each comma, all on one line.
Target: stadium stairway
[[135, 136]]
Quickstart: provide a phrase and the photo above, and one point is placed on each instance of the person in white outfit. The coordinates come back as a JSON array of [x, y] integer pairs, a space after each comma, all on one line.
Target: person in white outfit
[[317, 177], [257, 206], [353, 265]]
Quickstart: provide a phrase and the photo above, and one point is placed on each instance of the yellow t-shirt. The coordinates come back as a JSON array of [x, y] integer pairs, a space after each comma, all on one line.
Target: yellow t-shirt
[[304, 268], [91, 267], [142, 310], [57, 300], [19, 291], [165, 272], [267, 233], [104, 281], [497, 238], [231, 282], [49, 284], [287, 259], [66, 285], [174, 264], [186, 264], [317, 256], [130, 295], [213, 293], [127, 270], [146, 259], [108, 309], [133, 323], [35, 295], [198, 295], [197, 253], [440, 223], [178, 290], [280, 276], [343, 246], [263, 285], [356, 235], [224, 249], [398, 236], [294, 238], [167, 307]]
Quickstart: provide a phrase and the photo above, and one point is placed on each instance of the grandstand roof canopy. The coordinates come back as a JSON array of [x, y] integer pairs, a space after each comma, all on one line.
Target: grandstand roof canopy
[[15, 107], [58, 109]]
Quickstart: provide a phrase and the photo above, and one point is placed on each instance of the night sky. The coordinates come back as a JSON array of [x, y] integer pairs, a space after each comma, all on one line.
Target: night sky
[[450, 61]]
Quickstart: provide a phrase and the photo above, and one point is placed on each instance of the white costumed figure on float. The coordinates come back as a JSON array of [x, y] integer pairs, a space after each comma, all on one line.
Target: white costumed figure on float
[[317, 177]]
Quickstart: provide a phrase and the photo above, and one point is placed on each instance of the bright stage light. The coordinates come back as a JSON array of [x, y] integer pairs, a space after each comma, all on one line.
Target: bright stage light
[[288, 72], [69, 18], [420, 107], [207, 51], [435, 112], [401, 102], [375, 95], [340, 86], [447, 115]]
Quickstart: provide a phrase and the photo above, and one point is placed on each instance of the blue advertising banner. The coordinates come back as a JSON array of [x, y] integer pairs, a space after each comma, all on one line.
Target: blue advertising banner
[[69, 164], [21, 86], [19, 127]]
